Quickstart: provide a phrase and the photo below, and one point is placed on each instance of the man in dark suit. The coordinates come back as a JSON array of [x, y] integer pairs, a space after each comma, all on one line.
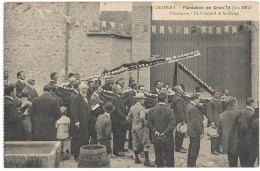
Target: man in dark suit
[[254, 143], [229, 128], [12, 120], [54, 95], [108, 85], [161, 123], [195, 130], [157, 88], [214, 109], [91, 90], [80, 120], [20, 84], [54, 78], [179, 110], [44, 112], [245, 121], [119, 123], [30, 87]]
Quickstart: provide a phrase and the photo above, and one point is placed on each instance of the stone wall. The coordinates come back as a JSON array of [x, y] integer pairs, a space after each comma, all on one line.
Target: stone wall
[[36, 44], [141, 15]]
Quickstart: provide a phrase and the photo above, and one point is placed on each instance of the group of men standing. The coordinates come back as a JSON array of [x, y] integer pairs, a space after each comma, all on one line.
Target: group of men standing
[[238, 130]]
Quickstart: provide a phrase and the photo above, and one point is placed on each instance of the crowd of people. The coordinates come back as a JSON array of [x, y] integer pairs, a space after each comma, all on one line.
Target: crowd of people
[[89, 119]]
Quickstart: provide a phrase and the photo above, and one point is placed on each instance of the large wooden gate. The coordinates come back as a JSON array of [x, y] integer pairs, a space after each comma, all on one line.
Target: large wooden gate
[[225, 61]]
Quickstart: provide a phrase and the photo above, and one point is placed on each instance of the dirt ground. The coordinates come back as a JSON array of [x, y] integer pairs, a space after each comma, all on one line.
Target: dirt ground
[[205, 159]]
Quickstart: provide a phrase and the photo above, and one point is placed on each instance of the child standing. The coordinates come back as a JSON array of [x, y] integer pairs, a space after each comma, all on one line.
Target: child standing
[[104, 127], [62, 126]]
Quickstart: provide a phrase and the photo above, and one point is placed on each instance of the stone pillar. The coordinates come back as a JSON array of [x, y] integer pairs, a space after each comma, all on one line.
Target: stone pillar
[[255, 59], [141, 40]]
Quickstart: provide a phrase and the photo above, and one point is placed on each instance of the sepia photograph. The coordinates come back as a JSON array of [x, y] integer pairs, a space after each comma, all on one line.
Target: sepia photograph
[[130, 84]]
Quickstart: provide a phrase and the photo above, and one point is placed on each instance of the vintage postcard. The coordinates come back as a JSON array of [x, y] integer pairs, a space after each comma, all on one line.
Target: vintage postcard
[[131, 84]]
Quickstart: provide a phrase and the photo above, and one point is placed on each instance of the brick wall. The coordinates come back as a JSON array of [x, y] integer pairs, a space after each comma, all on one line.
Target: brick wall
[[141, 15], [37, 45], [255, 60]]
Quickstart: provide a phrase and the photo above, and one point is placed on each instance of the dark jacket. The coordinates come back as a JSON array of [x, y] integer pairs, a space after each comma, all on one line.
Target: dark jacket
[[12, 121], [44, 112], [103, 127], [89, 93], [228, 127], [59, 100], [80, 112], [32, 92], [130, 100], [214, 109], [118, 116], [93, 101], [194, 121], [107, 87], [154, 91], [161, 119], [179, 108], [19, 87], [245, 121]]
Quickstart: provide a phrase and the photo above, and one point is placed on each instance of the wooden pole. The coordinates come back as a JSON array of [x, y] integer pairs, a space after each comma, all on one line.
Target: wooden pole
[[138, 76], [67, 43]]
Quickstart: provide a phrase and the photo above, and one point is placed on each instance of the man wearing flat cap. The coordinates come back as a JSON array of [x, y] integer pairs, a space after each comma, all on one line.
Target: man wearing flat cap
[[229, 128], [179, 110], [30, 87], [214, 109], [195, 129]]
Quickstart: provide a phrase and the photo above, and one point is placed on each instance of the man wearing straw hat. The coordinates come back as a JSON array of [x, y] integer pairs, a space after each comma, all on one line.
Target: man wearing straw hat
[[195, 130], [214, 109], [140, 132], [179, 110], [161, 123]]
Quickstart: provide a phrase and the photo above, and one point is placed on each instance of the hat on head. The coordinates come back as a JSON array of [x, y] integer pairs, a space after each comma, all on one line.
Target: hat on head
[[212, 132], [140, 96], [109, 107], [182, 128]]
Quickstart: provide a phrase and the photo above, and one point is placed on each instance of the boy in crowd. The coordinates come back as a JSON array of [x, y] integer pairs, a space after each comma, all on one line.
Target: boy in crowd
[[62, 126], [104, 127]]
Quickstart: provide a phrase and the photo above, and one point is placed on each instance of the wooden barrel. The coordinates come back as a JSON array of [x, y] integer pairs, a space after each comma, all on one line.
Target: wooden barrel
[[93, 156]]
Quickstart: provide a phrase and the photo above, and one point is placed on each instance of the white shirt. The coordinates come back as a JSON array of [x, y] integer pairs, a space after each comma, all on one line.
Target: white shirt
[[21, 81], [107, 114]]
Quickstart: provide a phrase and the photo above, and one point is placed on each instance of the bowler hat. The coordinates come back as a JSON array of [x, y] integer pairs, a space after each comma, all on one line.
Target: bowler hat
[[181, 128], [108, 107], [212, 132]]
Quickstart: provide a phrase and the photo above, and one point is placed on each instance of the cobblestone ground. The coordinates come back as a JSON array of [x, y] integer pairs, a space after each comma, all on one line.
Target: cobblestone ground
[[205, 159]]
